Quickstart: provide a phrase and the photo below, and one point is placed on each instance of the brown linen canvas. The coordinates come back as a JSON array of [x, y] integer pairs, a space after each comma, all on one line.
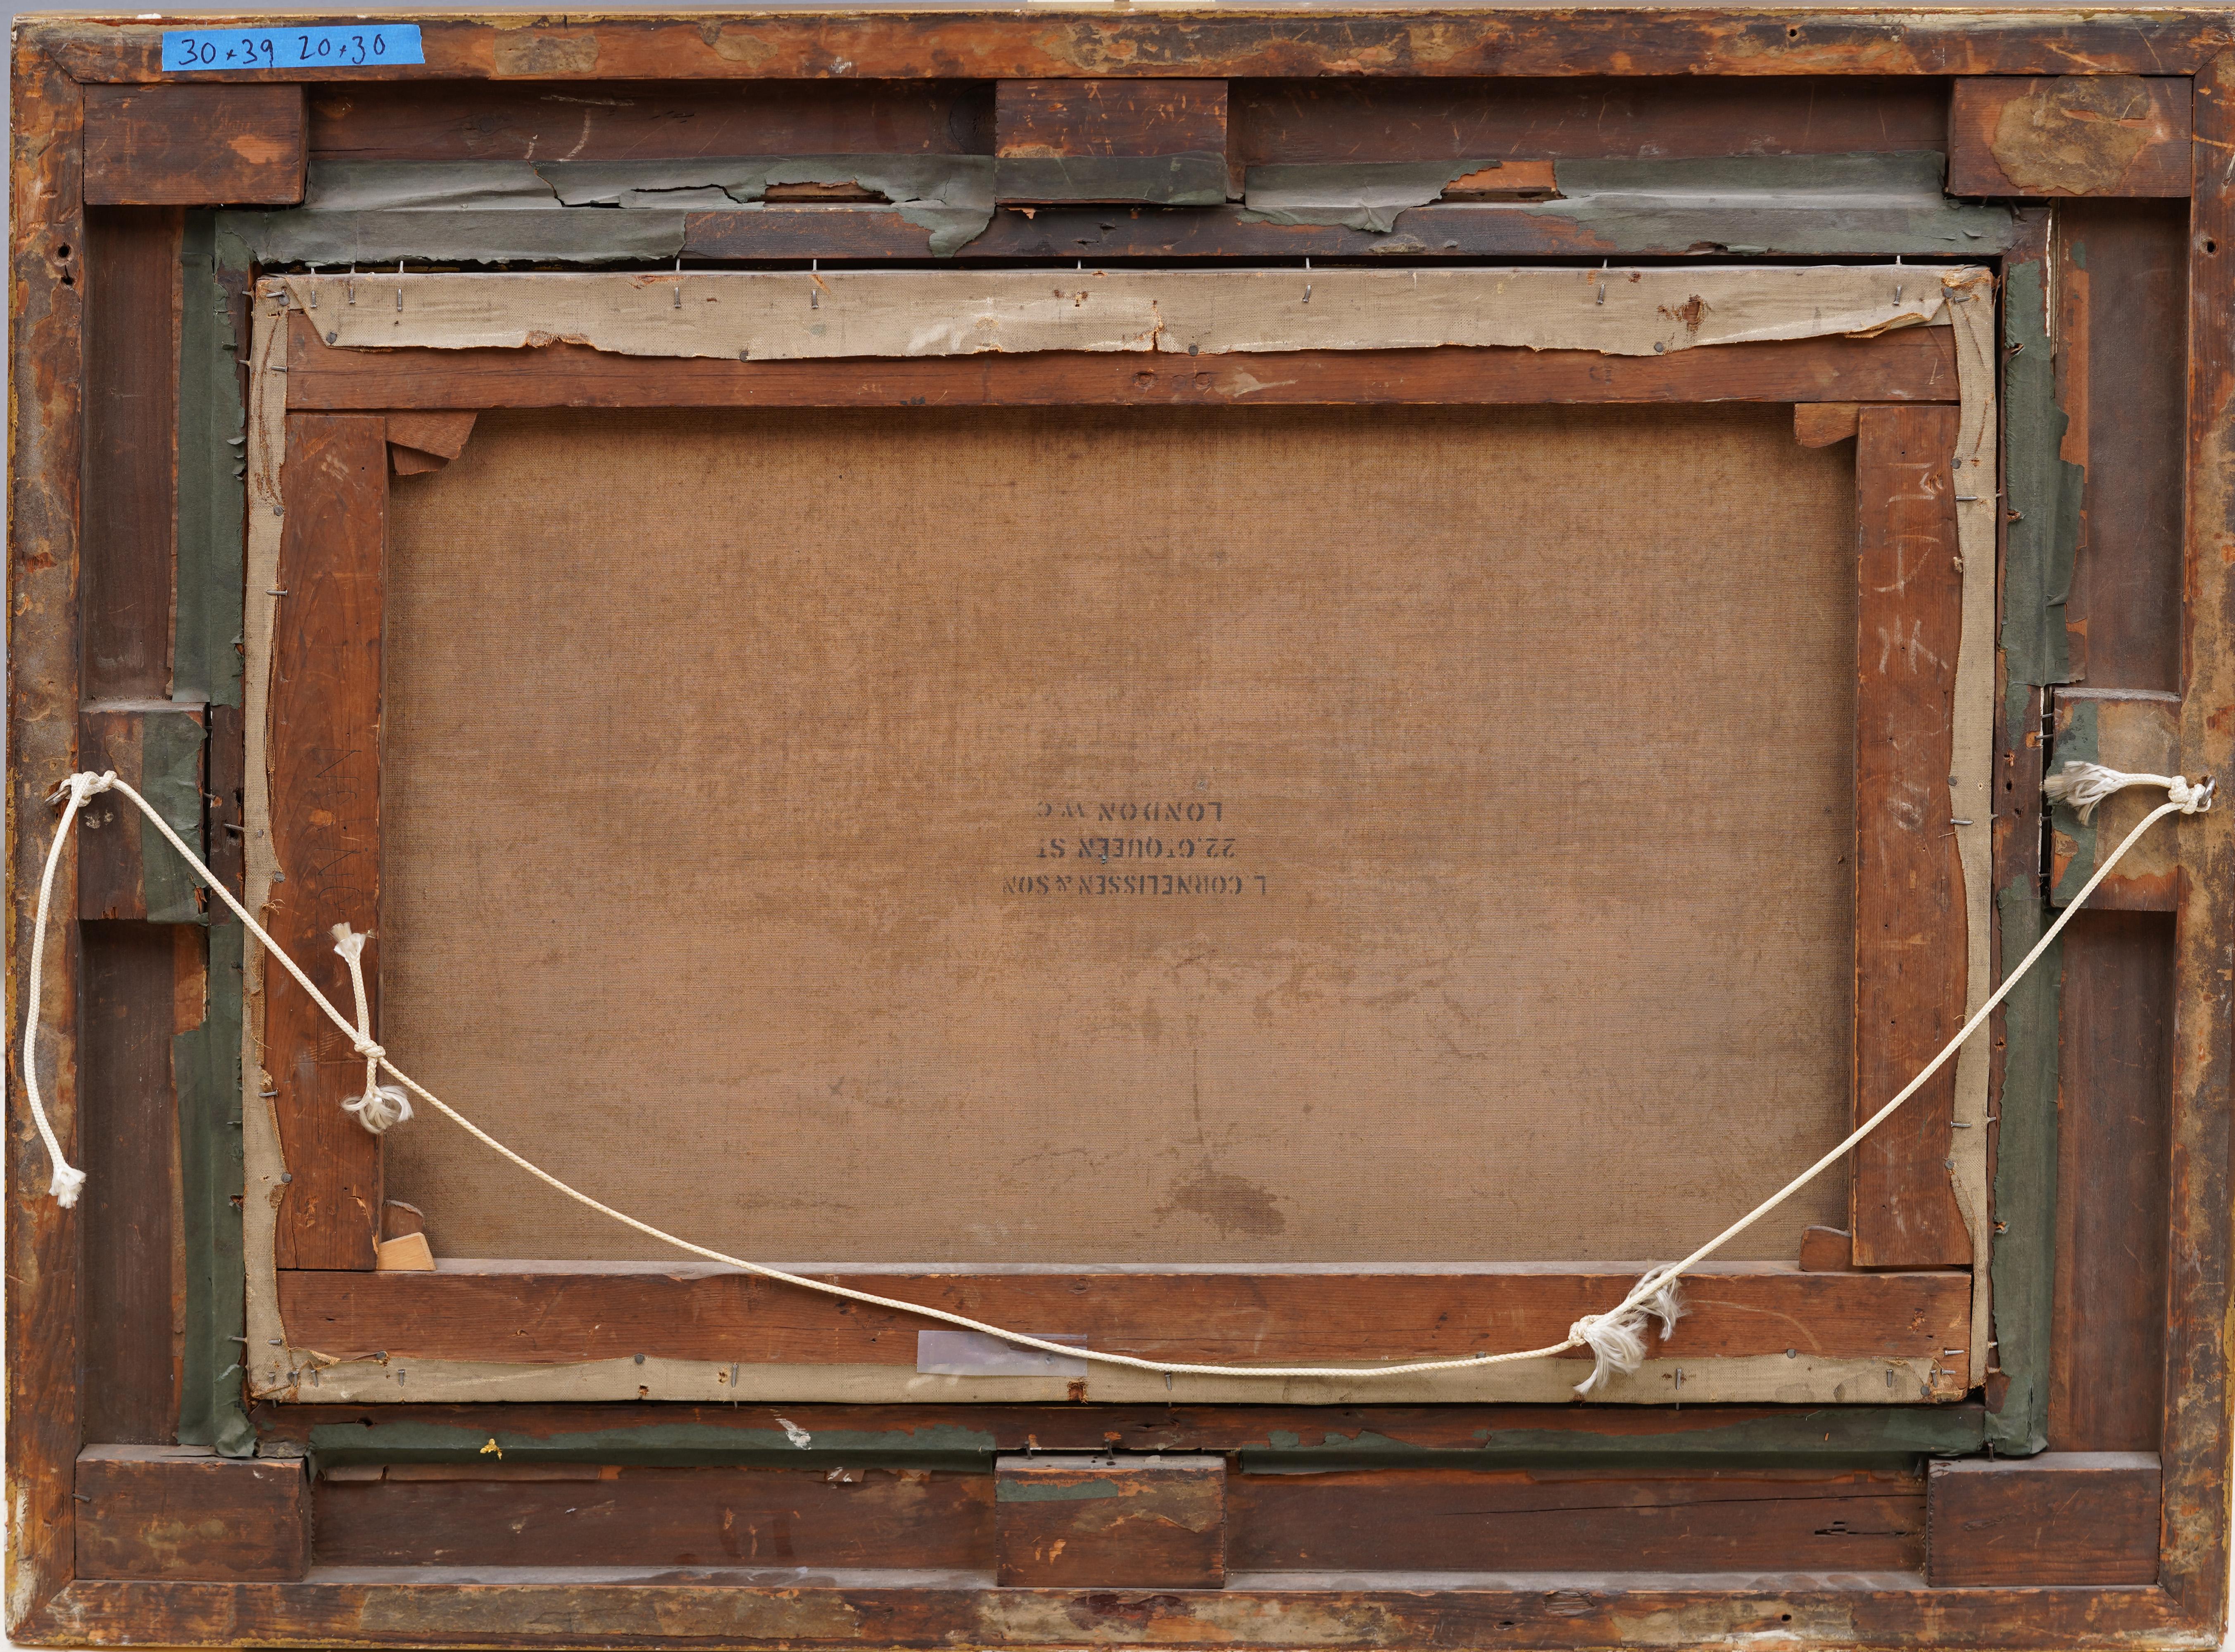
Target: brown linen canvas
[[1099, 835]]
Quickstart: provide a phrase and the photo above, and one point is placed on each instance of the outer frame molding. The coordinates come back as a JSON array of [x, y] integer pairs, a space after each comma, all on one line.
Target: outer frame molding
[[1276, 42], [2187, 1609]]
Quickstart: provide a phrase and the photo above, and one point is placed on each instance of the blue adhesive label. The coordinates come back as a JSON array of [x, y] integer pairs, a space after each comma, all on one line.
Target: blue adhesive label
[[188, 51]]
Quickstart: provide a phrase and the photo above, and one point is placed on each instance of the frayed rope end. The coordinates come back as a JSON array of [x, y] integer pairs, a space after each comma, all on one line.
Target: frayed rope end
[[2084, 785], [67, 1181], [1617, 1339], [380, 1108]]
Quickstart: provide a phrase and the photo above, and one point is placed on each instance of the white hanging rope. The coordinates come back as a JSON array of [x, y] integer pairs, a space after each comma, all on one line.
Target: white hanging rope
[[1616, 1338], [382, 1105]]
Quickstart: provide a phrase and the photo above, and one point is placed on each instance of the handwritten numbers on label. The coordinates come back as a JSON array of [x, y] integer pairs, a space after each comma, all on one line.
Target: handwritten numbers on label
[[193, 51]]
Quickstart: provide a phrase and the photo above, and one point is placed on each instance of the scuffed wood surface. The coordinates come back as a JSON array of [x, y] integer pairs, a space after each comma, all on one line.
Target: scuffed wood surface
[[2069, 134], [1578, 1521], [180, 1511], [1915, 364], [2060, 1518], [325, 824], [1910, 930], [1278, 42], [561, 1313], [45, 295], [562, 1514], [1131, 1522], [2193, 1565], [194, 144], [637, 1607]]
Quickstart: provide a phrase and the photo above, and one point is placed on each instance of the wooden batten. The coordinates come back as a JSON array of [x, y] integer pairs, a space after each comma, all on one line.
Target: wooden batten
[[195, 146], [2061, 1518], [1146, 141], [1917, 365], [2070, 134], [1819, 424], [125, 870], [178, 1512], [325, 782], [2136, 730], [1910, 929], [1110, 1521]]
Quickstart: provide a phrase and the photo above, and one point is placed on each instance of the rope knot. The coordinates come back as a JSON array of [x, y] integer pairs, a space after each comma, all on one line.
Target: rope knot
[[82, 785], [1617, 1340], [2084, 785], [382, 1105]]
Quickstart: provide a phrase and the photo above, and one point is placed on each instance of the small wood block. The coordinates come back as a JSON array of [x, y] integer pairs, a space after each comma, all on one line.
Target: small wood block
[[2070, 134], [408, 1254], [1156, 142], [1819, 424], [182, 1512], [1827, 1250], [195, 146], [2137, 730], [398, 1218], [1117, 1522], [419, 443], [2061, 1517], [158, 751]]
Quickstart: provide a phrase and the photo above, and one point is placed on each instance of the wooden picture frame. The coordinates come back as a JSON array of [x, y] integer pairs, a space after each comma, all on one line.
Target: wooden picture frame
[[1900, 1336], [2069, 1492]]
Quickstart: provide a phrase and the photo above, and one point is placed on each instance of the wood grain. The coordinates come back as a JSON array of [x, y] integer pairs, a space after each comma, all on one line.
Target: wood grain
[[1909, 936], [109, 872], [2063, 1518], [560, 1313], [1819, 424], [195, 146], [1572, 1520], [1826, 1250], [1915, 364], [1106, 1521], [131, 371], [2137, 731], [2106, 1363], [2069, 134], [181, 1512], [1350, 118], [326, 822], [1624, 40], [134, 1267], [46, 425], [637, 120], [882, 1608], [593, 1515], [2193, 1564], [1134, 140], [1112, 118], [2121, 279]]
